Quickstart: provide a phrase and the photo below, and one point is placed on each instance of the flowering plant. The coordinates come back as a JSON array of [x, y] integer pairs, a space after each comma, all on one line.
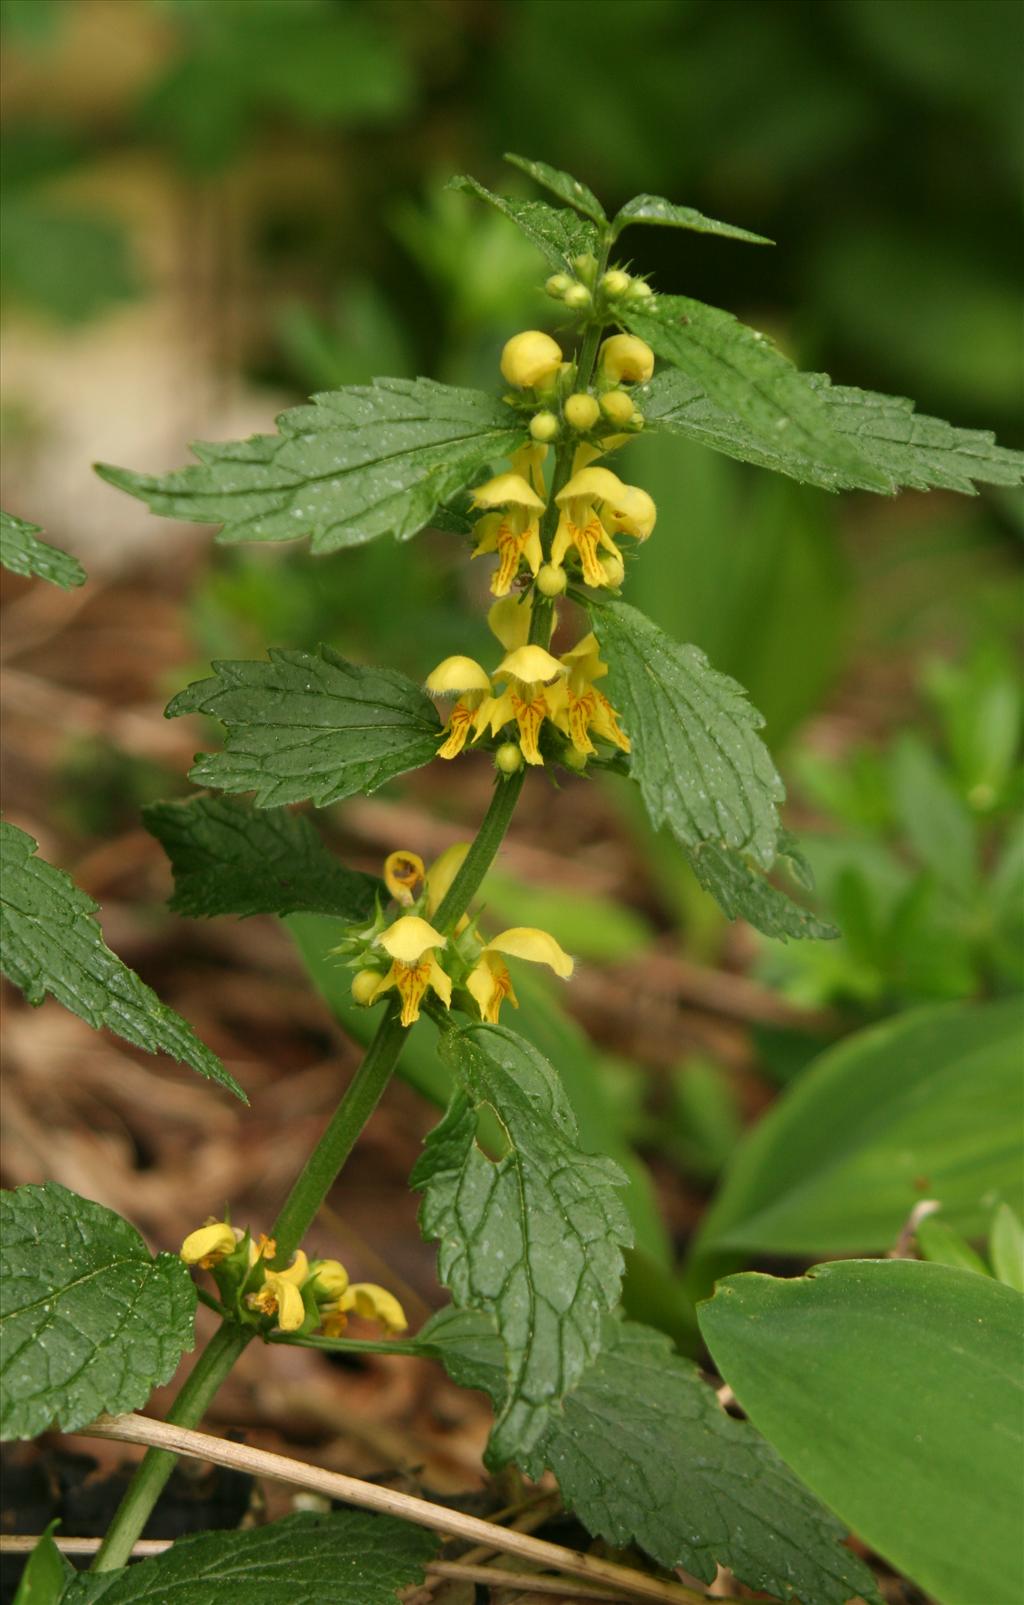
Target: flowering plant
[[532, 1229]]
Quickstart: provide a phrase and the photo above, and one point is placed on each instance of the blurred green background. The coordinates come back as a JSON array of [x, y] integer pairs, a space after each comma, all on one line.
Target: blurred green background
[[215, 207]]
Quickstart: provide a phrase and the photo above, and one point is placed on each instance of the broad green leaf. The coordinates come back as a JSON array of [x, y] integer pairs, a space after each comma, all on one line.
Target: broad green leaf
[[1006, 1246], [755, 386], [925, 1106], [47, 1573], [701, 767], [655, 209], [909, 449], [89, 1321], [228, 858], [310, 725], [307, 1559], [563, 185], [559, 235], [356, 464], [533, 1239], [51, 942], [23, 552], [893, 1389], [938, 1242], [742, 893], [643, 1453]]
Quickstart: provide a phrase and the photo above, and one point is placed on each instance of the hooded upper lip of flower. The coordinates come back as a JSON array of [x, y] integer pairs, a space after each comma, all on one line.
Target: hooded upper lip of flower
[[210, 1244], [489, 982]]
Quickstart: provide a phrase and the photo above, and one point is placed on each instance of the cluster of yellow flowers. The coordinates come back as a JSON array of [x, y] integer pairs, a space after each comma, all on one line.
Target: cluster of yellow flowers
[[309, 1294], [413, 945]]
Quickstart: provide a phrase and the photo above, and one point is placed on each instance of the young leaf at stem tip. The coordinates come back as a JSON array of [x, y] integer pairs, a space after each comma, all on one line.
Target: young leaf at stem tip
[[563, 185], [51, 942], [559, 235], [655, 209]]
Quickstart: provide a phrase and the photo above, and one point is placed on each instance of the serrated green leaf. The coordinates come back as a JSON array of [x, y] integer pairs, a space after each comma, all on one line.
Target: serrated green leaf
[[927, 1105], [559, 235], [700, 765], [47, 1573], [755, 386], [913, 451], [23, 552], [643, 1453], [89, 1321], [743, 893], [655, 209], [1006, 1246], [229, 859], [51, 942], [563, 185], [892, 1388], [356, 464], [309, 725], [348, 1556], [533, 1239]]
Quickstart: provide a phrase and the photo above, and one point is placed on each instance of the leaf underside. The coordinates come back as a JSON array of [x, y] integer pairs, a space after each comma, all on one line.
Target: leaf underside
[[756, 387], [700, 764], [913, 451], [532, 1239], [558, 234], [353, 465], [228, 858], [22, 552], [309, 725], [741, 892], [51, 942], [348, 1556], [643, 1453], [89, 1321]]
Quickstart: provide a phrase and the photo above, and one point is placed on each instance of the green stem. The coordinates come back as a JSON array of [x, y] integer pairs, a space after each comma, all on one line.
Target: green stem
[[311, 1188], [350, 1345]]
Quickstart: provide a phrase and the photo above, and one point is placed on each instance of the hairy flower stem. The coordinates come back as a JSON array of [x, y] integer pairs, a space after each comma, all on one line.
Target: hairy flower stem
[[311, 1187]]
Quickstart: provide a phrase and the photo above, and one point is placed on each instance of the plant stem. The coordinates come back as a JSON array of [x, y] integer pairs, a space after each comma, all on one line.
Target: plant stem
[[311, 1187]]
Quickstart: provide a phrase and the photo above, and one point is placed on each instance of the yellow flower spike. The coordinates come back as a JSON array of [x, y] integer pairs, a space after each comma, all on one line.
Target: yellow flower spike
[[490, 985], [625, 358], [528, 359], [527, 699], [595, 504], [404, 874], [463, 677], [280, 1294], [374, 1303], [210, 1244], [331, 1275], [537, 947], [517, 533], [410, 943]]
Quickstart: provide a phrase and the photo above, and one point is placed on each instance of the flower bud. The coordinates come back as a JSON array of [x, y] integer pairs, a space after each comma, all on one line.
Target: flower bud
[[529, 359], [624, 357], [586, 266], [638, 420], [508, 759], [618, 407], [640, 290], [615, 283], [557, 285], [544, 426], [581, 412], [551, 580], [578, 297], [573, 759], [364, 984], [331, 1275], [614, 569]]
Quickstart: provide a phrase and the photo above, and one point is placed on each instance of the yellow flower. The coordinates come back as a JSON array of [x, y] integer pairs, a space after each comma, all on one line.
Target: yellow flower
[[369, 1301], [529, 359], [280, 1294], [465, 678], [331, 1276], [595, 505], [404, 875], [441, 874], [584, 708], [514, 532], [527, 699], [210, 1244], [625, 358], [410, 943], [489, 982]]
